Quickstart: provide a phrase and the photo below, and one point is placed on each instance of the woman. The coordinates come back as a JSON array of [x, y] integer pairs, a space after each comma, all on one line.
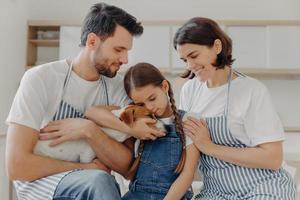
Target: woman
[[240, 139]]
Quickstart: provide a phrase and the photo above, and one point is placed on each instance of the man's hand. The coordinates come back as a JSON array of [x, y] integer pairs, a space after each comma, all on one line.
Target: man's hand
[[143, 131], [67, 130]]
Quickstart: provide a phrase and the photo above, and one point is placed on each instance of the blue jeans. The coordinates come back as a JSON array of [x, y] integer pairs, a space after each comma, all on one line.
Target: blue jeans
[[87, 185]]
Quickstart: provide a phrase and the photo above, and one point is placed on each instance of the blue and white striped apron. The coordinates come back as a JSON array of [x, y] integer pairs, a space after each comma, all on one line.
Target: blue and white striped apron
[[44, 188], [227, 181]]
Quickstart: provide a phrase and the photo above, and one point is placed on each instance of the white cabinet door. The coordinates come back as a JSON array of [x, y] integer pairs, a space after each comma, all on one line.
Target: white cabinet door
[[152, 47], [249, 46], [284, 44]]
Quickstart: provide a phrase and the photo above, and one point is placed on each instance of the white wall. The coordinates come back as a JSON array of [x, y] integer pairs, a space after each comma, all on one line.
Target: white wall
[[12, 51], [14, 13], [172, 9]]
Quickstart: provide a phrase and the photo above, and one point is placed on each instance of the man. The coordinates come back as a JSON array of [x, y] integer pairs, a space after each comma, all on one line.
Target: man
[[64, 89]]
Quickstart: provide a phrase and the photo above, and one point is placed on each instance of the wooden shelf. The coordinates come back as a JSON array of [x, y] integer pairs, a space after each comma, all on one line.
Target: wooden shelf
[[253, 72], [279, 73], [292, 129], [55, 23], [49, 43], [36, 31], [52, 23], [226, 22]]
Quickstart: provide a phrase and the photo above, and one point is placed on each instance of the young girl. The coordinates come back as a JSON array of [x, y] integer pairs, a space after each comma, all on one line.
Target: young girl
[[164, 168]]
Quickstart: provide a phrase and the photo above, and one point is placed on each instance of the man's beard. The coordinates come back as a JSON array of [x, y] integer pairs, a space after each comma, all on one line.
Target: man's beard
[[105, 71]]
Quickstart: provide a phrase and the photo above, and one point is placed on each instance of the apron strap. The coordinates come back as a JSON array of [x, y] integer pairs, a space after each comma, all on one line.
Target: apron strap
[[101, 82], [228, 91], [239, 74], [67, 79], [105, 90]]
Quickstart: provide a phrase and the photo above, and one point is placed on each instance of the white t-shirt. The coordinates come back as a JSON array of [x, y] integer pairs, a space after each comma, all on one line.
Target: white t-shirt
[[170, 120], [41, 88], [251, 116]]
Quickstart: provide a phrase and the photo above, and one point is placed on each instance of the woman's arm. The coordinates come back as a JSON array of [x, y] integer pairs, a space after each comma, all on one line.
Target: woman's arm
[[185, 179], [266, 156]]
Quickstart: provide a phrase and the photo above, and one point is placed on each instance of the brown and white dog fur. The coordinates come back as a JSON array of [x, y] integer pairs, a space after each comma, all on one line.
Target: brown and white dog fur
[[80, 150]]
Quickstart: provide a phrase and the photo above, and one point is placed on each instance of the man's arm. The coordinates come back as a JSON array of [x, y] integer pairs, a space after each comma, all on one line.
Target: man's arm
[[22, 164], [115, 155]]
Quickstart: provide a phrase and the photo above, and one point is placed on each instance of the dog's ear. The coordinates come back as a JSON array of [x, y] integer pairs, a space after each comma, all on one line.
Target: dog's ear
[[128, 116]]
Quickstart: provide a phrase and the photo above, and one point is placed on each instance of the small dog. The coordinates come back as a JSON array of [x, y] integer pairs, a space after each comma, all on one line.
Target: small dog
[[80, 150]]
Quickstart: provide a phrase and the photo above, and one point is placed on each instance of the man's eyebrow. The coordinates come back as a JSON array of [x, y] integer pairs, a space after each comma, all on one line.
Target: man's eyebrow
[[121, 47]]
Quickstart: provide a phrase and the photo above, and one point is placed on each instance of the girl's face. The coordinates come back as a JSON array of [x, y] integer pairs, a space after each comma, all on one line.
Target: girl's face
[[154, 98], [199, 58]]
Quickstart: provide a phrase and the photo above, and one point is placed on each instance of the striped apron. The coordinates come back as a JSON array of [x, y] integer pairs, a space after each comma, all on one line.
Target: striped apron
[[44, 188], [227, 181]]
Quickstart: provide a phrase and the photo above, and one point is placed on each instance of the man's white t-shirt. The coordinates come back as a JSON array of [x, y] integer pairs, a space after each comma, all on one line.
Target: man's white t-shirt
[[251, 115], [41, 90]]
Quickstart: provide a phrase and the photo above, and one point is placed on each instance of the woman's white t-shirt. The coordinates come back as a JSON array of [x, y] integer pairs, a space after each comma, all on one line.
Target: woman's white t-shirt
[[251, 115]]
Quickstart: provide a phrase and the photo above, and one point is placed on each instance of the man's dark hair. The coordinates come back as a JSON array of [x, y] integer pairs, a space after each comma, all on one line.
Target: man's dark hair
[[103, 19]]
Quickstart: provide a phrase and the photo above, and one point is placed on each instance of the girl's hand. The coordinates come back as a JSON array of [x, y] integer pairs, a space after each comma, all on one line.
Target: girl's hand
[[197, 130], [141, 130], [67, 129]]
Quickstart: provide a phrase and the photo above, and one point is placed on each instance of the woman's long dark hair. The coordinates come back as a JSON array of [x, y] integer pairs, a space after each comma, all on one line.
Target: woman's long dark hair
[[143, 74], [204, 31]]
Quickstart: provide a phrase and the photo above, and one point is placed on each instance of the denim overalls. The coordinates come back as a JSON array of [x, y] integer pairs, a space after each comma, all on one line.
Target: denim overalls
[[155, 173]]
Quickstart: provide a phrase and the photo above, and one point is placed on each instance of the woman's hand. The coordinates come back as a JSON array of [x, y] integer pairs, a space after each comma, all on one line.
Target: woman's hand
[[265, 156], [197, 130], [67, 129]]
